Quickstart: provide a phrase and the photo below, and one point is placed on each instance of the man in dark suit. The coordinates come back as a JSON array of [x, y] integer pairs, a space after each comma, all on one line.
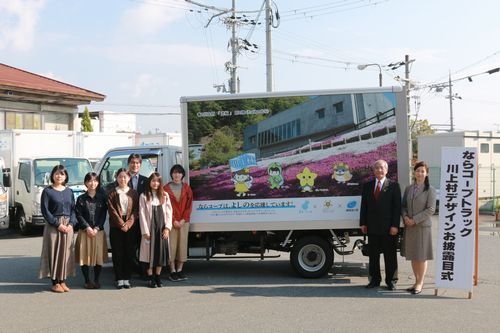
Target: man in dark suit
[[379, 218], [138, 183]]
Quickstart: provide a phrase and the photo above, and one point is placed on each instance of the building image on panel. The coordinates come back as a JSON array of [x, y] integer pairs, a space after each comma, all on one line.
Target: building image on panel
[[314, 120]]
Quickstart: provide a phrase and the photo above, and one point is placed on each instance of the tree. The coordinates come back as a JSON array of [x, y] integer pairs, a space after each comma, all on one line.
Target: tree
[[86, 122], [222, 147], [418, 128]]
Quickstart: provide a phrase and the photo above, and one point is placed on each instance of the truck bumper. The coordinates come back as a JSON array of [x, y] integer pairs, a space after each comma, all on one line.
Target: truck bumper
[[38, 220]]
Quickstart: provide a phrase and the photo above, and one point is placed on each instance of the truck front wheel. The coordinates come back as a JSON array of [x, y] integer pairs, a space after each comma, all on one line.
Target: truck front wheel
[[311, 257], [24, 226]]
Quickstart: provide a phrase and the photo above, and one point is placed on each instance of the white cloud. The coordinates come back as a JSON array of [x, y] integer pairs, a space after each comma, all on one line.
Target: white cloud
[[18, 19], [147, 18]]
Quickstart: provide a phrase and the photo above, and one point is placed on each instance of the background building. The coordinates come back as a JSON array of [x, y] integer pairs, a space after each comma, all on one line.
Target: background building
[[31, 101], [488, 146]]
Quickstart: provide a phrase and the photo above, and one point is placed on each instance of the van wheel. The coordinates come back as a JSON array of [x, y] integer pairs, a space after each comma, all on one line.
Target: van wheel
[[311, 257], [24, 226]]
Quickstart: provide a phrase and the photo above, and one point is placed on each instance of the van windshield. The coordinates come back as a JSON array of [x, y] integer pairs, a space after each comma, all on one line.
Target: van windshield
[[77, 169]]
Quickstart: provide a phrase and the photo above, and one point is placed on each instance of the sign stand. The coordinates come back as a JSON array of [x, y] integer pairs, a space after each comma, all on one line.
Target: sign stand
[[457, 246]]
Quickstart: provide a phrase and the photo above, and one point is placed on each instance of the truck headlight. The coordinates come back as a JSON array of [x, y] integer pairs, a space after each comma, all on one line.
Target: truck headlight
[[3, 205], [37, 208]]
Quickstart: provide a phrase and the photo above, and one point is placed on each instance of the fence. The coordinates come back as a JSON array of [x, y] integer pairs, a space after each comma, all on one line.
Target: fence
[[488, 185]]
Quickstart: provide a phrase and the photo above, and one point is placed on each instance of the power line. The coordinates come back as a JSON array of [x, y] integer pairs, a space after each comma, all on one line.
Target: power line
[[338, 9]]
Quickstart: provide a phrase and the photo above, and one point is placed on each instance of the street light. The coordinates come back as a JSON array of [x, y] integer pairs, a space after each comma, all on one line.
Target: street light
[[363, 66]]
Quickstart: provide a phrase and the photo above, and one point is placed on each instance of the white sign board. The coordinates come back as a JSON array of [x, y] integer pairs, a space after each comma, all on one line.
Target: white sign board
[[457, 218]]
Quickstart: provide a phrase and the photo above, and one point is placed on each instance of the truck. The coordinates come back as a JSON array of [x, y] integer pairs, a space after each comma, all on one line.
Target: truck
[[26, 156], [283, 171], [32, 176]]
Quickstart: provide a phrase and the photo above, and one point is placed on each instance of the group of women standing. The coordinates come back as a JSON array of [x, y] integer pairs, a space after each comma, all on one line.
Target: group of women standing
[[150, 211]]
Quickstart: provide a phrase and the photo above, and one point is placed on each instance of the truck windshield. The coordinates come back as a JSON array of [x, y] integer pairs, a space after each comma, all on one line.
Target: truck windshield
[[77, 169], [112, 164]]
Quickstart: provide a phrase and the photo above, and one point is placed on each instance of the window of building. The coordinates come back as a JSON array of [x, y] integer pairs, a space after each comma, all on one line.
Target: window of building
[[320, 113], [338, 107], [57, 121], [22, 120], [496, 148], [485, 148]]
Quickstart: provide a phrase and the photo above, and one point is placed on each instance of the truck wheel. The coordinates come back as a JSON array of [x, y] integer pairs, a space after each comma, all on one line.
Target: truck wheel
[[311, 257], [24, 227]]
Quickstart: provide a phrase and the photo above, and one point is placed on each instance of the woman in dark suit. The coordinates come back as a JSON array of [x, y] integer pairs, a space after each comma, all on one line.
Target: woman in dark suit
[[419, 203]]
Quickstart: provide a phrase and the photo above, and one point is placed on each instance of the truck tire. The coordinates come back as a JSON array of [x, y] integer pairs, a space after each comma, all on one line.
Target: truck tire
[[24, 227], [311, 257]]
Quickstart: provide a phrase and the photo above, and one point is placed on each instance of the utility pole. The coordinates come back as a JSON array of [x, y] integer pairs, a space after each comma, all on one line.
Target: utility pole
[[234, 51], [451, 102], [269, 59], [407, 94]]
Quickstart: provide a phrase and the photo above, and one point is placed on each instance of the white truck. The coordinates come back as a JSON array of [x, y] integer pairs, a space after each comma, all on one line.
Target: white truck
[[32, 176], [282, 171], [28, 154]]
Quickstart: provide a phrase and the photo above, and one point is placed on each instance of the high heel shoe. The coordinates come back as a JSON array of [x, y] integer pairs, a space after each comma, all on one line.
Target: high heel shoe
[[410, 289], [416, 291]]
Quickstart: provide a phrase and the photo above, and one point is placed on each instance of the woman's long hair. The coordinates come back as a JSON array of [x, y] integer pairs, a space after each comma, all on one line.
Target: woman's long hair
[[160, 193], [426, 167]]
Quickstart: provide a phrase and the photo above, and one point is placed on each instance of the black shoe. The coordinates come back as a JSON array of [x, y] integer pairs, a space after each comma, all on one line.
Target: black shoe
[[416, 291], [126, 284], [181, 276], [158, 281], [410, 289], [151, 283], [173, 277], [372, 285], [391, 286]]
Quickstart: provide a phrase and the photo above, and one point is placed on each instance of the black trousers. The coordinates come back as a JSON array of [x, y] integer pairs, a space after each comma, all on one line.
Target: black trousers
[[123, 252], [387, 245]]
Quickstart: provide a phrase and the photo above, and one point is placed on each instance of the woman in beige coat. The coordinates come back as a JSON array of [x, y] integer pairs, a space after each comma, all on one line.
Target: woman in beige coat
[[419, 204], [155, 219]]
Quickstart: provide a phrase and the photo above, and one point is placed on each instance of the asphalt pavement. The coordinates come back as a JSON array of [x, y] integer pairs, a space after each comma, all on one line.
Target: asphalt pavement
[[247, 295]]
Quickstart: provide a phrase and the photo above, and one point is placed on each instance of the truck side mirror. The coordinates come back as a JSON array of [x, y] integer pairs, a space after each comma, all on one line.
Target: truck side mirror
[[7, 181]]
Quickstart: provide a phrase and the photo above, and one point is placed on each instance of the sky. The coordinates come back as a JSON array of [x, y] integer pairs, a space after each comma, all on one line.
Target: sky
[[145, 55]]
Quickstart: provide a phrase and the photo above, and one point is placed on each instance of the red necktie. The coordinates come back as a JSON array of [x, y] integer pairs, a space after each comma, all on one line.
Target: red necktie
[[377, 190]]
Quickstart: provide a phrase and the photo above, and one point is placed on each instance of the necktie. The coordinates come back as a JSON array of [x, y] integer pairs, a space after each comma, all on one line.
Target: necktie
[[377, 190], [135, 180]]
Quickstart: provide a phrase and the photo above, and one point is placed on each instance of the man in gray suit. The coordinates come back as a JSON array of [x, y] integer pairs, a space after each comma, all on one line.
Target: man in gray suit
[[379, 219]]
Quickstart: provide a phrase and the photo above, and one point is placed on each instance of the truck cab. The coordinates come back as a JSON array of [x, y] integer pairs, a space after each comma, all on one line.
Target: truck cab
[[154, 158], [33, 175]]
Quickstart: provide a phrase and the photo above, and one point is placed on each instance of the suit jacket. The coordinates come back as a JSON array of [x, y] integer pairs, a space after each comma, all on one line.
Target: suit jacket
[[420, 205], [379, 215], [141, 184]]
